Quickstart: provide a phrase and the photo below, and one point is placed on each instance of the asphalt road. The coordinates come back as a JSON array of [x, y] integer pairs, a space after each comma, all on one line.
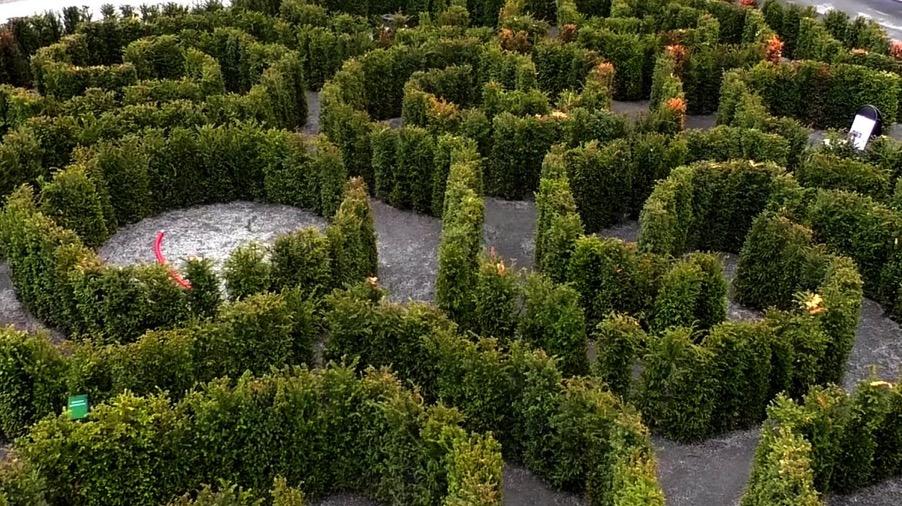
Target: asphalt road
[[886, 12]]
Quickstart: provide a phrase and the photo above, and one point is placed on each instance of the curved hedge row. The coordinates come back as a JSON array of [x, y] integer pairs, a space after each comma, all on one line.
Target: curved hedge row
[[172, 67], [831, 441], [326, 429], [701, 375], [821, 94], [709, 206], [64, 283], [572, 432], [467, 87]]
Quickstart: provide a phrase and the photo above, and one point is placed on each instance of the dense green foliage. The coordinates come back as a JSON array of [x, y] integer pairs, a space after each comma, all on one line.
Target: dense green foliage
[[167, 107], [829, 442]]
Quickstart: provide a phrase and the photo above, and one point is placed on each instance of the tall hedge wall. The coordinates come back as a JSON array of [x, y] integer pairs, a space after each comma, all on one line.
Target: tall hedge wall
[[708, 206], [166, 448], [831, 441], [66, 285], [571, 432], [824, 95]]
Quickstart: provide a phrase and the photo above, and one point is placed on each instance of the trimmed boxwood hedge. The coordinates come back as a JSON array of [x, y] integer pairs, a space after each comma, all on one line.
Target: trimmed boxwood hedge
[[66, 285], [571, 432], [255, 334], [822, 170], [165, 448], [824, 95], [151, 97], [729, 371], [709, 206], [832, 441]]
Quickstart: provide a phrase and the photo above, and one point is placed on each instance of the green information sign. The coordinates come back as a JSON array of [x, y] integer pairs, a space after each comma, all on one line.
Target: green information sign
[[78, 406]]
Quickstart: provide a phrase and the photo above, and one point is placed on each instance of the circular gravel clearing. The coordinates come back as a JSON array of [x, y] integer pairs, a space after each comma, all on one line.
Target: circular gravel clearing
[[209, 231]]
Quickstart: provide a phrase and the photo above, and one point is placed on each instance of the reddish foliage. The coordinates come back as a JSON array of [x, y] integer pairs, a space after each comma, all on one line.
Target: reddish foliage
[[896, 49], [515, 41], [774, 51], [677, 105], [568, 33], [748, 3], [678, 52]]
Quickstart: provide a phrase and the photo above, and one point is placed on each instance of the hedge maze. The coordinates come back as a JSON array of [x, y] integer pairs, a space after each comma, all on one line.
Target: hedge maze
[[288, 374]]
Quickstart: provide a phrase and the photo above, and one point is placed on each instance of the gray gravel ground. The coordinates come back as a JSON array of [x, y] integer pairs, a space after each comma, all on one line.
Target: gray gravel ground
[[312, 126], [888, 493], [12, 312], [211, 231], [633, 110], [510, 229], [710, 473], [346, 500], [627, 231], [877, 349], [408, 251], [522, 488]]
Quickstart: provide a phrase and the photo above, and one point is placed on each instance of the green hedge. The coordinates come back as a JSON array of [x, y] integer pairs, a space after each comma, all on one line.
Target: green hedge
[[67, 286], [247, 271], [832, 441], [496, 99], [864, 230], [693, 293], [187, 443], [558, 224], [281, 494], [156, 57], [562, 66], [553, 321], [704, 71], [519, 145], [496, 297], [832, 172], [619, 339], [779, 261], [600, 180], [677, 390], [665, 82], [821, 94], [33, 380], [570, 432], [461, 242], [785, 20], [815, 42], [613, 276], [323, 50], [255, 334], [708, 205], [631, 54], [404, 172], [72, 200], [310, 260], [723, 143]]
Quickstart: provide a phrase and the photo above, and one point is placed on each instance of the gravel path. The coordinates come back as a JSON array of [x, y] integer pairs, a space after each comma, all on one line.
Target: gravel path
[[12, 312], [210, 231], [312, 126]]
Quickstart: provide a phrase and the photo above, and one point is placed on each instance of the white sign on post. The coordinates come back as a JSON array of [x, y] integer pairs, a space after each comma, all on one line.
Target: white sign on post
[[865, 125]]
